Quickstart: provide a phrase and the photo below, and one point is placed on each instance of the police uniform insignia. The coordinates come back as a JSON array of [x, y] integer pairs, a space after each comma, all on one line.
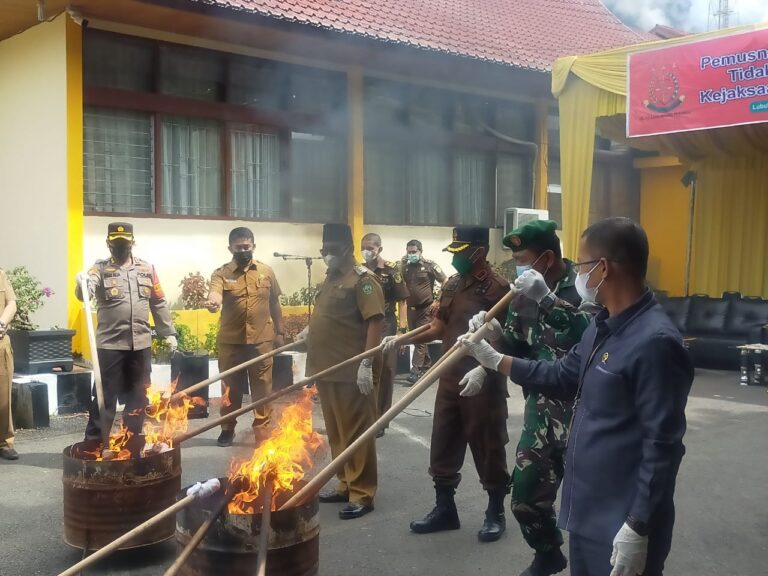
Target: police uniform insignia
[[367, 288], [605, 358], [114, 291], [120, 229], [515, 240], [398, 277], [361, 270]]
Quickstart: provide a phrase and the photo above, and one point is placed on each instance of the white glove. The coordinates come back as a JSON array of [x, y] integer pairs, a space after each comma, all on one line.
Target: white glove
[[472, 382], [82, 279], [630, 551], [482, 352], [365, 377], [388, 344], [532, 285], [172, 342], [492, 329], [204, 489], [302, 336]]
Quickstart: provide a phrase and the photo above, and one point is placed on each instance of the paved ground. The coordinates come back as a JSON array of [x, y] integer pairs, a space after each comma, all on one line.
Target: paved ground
[[722, 500]]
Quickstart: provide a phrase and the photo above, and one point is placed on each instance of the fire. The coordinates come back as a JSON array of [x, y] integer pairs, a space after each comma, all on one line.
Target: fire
[[162, 423], [283, 457]]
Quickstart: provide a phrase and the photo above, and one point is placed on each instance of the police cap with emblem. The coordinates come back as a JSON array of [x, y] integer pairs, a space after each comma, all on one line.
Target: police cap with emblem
[[466, 236], [337, 233], [120, 231], [535, 234]]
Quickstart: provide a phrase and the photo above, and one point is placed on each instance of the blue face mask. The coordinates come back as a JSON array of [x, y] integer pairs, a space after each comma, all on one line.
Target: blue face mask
[[523, 268]]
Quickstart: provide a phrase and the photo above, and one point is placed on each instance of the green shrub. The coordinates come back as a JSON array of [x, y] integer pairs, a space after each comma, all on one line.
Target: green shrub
[[30, 297]]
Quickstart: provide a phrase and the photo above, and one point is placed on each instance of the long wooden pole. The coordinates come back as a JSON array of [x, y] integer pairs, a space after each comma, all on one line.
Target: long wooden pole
[[449, 359], [128, 536], [243, 366], [198, 536], [105, 430], [266, 514], [293, 387]]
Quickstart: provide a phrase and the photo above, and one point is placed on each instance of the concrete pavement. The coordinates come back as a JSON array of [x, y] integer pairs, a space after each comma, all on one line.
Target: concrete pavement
[[722, 494]]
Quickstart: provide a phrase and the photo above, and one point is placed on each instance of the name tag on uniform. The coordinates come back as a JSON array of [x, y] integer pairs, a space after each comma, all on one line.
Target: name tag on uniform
[[228, 281]]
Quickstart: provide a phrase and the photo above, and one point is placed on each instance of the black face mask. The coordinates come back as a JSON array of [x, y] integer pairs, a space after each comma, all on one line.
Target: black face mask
[[120, 252], [243, 257]]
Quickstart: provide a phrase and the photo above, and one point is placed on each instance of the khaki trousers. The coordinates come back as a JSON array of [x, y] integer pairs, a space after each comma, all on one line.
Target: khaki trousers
[[347, 415], [258, 376], [6, 384]]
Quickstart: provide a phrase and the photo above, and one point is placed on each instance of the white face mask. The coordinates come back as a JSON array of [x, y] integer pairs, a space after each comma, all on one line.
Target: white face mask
[[369, 255], [588, 295], [332, 261]]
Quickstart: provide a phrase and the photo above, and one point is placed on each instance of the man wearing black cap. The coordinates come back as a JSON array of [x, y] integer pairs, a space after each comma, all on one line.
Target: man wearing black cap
[[544, 322], [480, 420], [125, 290], [346, 321]]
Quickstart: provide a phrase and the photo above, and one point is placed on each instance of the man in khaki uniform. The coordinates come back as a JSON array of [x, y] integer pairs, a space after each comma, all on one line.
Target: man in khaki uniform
[[420, 276], [346, 321], [251, 323], [392, 284], [7, 312], [125, 289]]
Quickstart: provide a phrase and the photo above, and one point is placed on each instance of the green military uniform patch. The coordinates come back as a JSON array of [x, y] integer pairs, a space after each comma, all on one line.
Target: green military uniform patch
[[367, 288]]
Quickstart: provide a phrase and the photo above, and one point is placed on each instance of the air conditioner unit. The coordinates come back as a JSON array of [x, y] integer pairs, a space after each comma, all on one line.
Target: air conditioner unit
[[516, 217]]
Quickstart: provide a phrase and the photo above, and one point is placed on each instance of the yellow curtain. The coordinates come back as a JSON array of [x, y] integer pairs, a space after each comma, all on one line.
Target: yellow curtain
[[730, 239], [732, 193]]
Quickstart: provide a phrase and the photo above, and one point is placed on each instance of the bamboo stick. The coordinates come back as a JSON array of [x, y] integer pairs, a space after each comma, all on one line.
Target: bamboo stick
[[201, 532], [446, 361], [105, 430], [266, 514], [292, 388], [242, 366]]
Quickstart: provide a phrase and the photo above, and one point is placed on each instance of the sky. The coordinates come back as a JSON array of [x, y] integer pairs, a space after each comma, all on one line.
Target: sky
[[689, 15]]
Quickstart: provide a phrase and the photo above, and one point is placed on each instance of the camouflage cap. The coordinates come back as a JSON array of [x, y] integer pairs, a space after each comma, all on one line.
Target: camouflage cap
[[535, 233]]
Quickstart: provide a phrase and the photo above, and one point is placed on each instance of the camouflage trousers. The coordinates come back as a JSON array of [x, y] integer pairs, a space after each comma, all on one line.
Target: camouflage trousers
[[539, 469]]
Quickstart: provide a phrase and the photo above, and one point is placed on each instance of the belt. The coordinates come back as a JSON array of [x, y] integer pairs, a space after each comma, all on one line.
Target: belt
[[421, 306]]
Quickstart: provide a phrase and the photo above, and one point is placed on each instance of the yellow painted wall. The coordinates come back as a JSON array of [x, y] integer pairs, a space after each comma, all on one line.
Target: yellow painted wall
[[33, 161], [664, 213]]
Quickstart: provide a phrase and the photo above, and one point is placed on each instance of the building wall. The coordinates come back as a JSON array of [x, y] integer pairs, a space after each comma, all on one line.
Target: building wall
[[664, 213], [33, 160]]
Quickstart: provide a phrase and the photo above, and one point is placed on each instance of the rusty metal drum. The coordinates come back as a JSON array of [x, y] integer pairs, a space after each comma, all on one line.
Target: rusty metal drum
[[231, 547], [105, 499]]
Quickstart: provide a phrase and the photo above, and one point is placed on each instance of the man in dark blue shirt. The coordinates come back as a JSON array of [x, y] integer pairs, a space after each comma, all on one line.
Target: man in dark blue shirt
[[629, 378]]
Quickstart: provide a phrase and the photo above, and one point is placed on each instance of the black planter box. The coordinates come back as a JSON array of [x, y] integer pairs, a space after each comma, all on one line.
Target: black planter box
[[36, 351]]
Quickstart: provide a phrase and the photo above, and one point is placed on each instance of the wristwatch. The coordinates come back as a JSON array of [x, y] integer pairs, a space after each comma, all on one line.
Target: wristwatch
[[548, 302]]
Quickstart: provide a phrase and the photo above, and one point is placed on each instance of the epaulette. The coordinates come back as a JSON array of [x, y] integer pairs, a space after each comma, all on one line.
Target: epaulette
[[391, 264], [362, 270], [452, 282]]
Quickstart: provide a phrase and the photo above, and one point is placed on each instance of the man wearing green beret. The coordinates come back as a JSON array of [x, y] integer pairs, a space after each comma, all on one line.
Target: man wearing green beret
[[543, 323]]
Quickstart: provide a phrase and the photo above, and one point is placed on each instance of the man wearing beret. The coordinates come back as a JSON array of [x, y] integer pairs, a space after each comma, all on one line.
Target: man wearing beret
[[479, 421], [629, 378], [125, 290], [346, 321], [543, 323]]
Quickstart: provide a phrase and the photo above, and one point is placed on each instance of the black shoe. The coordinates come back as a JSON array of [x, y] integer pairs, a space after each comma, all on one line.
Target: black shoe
[[225, 438], [444, 515], [414, 377], [8, 453], [354, 510], [331, 496], [546, 563], [495, 523], [380, 433]]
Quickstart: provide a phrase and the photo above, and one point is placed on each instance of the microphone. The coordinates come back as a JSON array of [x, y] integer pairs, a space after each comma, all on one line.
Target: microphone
[[293, 256]]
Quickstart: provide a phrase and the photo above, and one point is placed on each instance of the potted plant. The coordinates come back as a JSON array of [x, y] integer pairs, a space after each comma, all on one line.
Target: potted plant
[[36, 350]]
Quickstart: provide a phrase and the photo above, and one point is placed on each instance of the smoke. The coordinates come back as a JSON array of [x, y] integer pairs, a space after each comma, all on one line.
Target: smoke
[[688, 15]]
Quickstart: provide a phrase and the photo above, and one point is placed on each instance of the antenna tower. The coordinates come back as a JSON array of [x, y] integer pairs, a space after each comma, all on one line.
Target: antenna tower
[[723, 14]]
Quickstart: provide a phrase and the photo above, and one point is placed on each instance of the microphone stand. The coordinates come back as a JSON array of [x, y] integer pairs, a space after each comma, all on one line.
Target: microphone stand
[[308, 262]]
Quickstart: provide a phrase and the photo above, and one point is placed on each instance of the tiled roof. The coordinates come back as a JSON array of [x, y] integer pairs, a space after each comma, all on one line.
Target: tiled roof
[[522, 33]]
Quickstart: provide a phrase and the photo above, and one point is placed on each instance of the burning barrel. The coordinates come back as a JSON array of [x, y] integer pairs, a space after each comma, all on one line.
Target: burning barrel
[[231, 547], [104, 499]]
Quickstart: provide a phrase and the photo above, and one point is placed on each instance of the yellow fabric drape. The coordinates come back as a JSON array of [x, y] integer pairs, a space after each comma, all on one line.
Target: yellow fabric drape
[[730, 241], [592, 89]]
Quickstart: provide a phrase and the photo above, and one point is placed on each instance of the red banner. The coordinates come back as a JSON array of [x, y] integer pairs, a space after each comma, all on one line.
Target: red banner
[[706, 84]]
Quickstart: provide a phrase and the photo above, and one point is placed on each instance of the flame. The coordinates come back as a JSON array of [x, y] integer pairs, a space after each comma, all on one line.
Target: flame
[[282, 457], [163, 422]]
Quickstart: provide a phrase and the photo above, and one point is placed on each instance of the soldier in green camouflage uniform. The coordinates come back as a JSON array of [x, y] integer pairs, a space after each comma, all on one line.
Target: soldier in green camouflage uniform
[[544, 330]]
